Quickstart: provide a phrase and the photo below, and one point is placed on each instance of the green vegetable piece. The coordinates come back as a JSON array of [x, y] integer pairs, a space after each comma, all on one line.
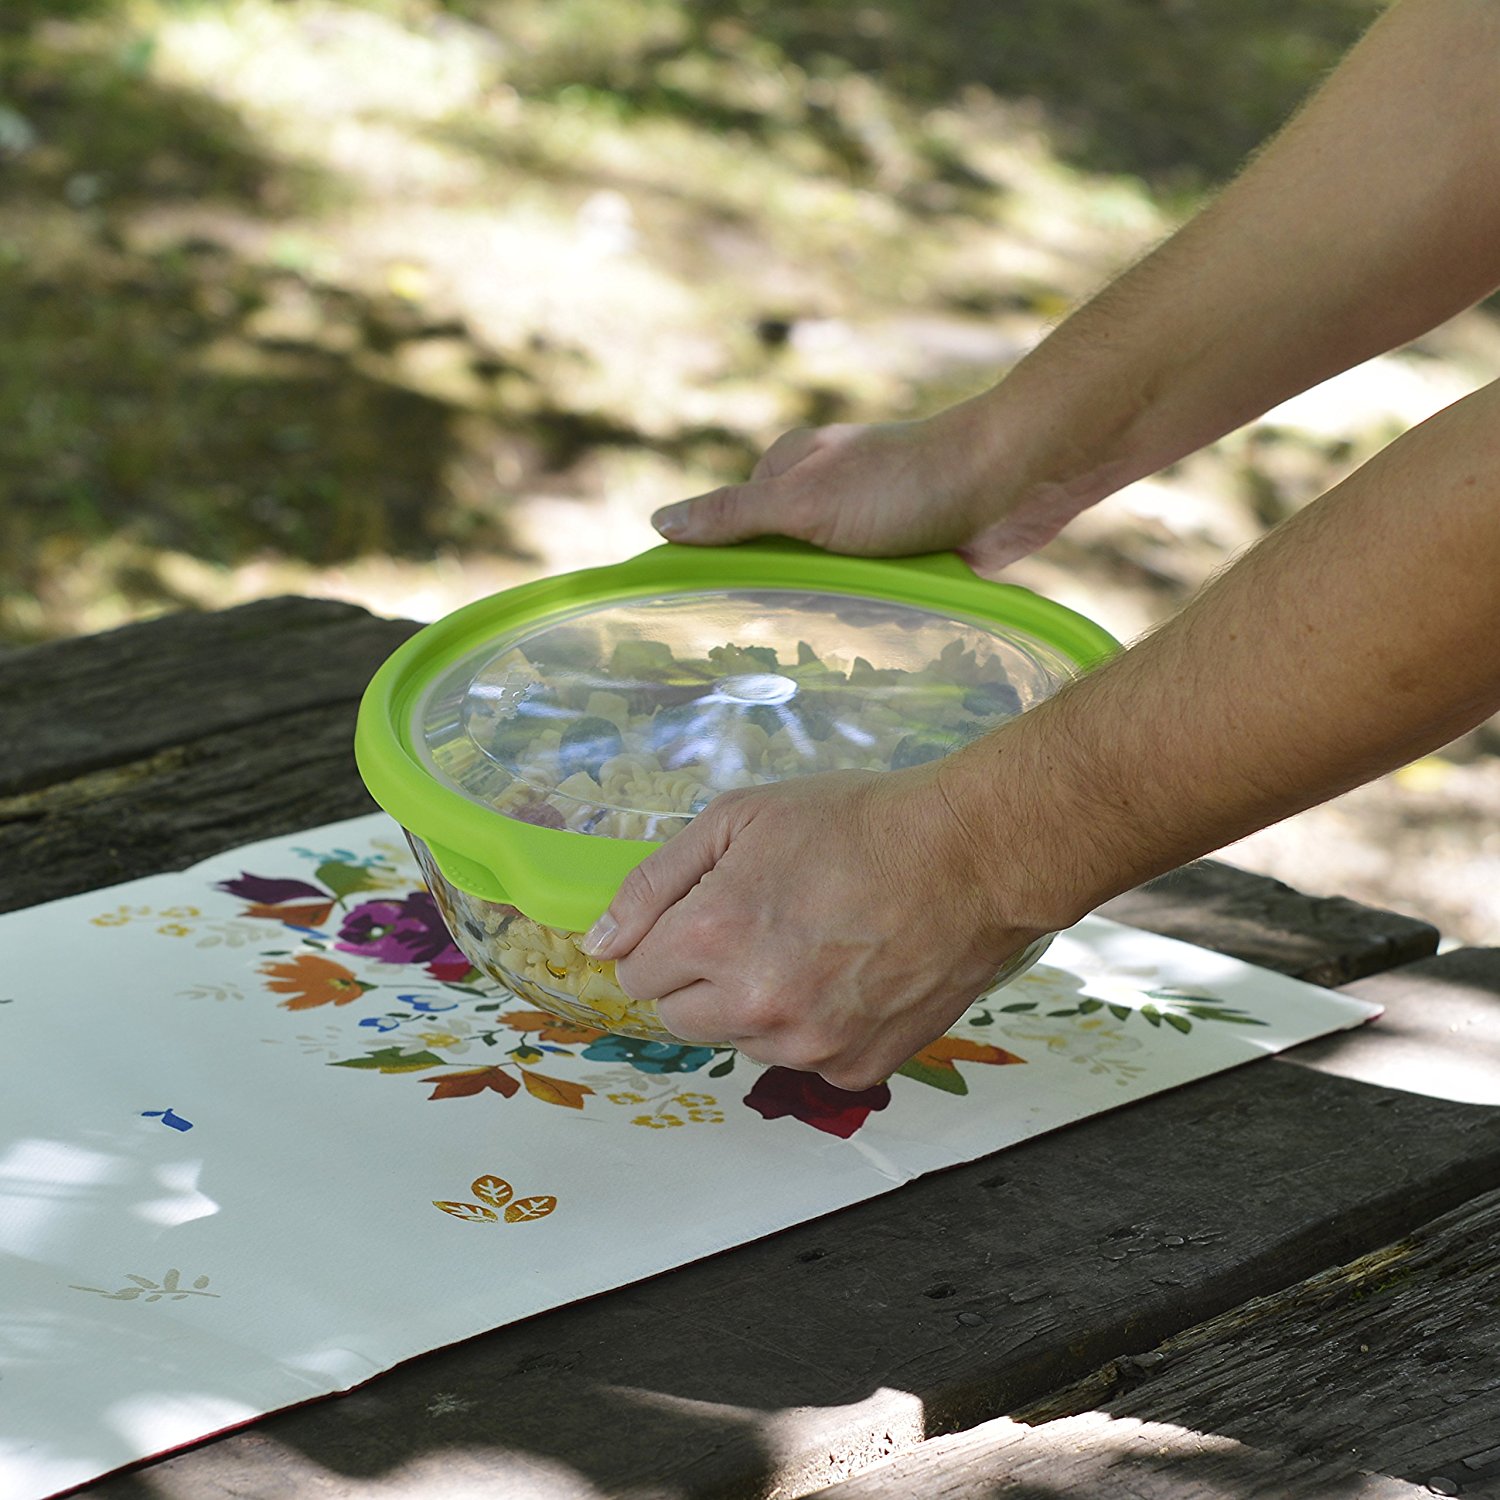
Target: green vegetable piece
[[769, 716], [993, 700], [818, 722], [732, 660], [918, 749], [646, 659], [863, 674], [566, 648], [587, 744]]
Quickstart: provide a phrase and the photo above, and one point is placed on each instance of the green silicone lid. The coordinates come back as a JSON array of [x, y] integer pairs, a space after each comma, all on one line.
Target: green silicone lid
[[543, 741]]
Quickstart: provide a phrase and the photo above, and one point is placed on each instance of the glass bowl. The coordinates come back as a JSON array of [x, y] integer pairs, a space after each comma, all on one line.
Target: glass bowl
[[538, 745], [546, 966]]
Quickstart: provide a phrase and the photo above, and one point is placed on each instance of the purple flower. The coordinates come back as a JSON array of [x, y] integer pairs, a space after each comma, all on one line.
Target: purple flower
[[265, 891], [408, 931]]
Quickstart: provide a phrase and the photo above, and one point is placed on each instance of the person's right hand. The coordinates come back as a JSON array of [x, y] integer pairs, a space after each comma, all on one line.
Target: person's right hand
[[884, 490]]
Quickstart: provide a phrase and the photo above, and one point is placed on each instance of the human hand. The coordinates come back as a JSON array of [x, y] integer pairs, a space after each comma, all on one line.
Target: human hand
[[888, 489], [834, 923]]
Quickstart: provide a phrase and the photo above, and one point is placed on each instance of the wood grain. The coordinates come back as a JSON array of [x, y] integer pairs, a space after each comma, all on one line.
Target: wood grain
[[1440, 1033], [1389, 1364], [1324, 940], [1099, 1457], [179, 805], [783, 1365], [75, 706]]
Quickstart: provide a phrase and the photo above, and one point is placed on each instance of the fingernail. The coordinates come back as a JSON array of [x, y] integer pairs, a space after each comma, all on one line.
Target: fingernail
[[672, 520], [599, 934]]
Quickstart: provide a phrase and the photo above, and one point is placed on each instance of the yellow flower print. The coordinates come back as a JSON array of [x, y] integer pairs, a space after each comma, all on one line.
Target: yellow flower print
[[120, 916]]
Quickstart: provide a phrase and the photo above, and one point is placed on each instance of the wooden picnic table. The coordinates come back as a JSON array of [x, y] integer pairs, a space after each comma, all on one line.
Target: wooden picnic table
[[1278, 1281]]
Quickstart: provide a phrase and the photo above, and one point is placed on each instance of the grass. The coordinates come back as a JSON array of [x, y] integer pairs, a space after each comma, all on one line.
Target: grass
[[297, 289]]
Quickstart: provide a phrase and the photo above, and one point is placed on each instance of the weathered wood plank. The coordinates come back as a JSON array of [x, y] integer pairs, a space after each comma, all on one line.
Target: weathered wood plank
[[776, 1367], [1388, 1364], [1440, 1033], [1328, 940], [1098, 1457], [180, 805], [75, 706]]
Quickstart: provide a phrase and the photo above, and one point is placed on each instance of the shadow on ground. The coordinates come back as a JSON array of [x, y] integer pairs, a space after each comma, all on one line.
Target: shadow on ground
[[163, 390]]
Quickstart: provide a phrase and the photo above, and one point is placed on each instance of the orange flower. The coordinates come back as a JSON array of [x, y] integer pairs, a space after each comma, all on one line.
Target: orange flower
[[943, 1052], [311, 981], [309, 914], [551, 1028], [933, 1065]]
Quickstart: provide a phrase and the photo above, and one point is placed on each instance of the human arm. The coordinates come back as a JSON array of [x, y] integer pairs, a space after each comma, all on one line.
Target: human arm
[[839, 923], [1373, 216]]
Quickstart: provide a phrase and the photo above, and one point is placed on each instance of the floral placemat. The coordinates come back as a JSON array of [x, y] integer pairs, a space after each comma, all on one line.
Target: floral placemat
[[242, 1101]]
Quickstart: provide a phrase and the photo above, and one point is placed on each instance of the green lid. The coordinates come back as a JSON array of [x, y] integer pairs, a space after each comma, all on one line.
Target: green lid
[[543, 741]]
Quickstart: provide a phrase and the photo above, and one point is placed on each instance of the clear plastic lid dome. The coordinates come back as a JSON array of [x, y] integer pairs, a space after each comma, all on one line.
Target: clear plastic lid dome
[[624, 719]]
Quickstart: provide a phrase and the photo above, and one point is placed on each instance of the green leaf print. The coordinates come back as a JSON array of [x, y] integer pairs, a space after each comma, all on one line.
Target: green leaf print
[[949, 1079], [392, 1060], [344, 880]]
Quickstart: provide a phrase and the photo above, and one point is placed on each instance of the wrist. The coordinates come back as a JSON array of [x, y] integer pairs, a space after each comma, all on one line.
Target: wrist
[[1035, 442], [1044, 845]]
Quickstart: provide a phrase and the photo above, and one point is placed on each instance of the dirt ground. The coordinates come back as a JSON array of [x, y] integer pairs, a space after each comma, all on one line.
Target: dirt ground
[[405, 302]]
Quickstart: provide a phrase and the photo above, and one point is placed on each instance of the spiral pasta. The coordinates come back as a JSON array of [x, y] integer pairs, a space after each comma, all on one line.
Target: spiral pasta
[[640, 763]]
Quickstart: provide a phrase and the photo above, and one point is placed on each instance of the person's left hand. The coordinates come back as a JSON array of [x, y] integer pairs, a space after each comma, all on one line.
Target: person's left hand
[[835, 923]]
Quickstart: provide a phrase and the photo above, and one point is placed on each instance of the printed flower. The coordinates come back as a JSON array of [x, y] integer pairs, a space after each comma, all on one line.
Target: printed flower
[[291, 901], [408, 931], [453, 1037], [1078, 1040], [551, 1028], [271, 892], [476, 1081], [933, 1065], [453, 968], [815, 1101], [1054, 983], [649, 1057], [311, 981]]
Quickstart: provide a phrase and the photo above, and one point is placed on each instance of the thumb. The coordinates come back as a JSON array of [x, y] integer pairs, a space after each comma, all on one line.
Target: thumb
[[734, 513], [659, 882]]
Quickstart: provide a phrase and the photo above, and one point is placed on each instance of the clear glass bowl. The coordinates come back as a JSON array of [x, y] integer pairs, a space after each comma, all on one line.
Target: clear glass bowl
[[546, 966], [610, 722]]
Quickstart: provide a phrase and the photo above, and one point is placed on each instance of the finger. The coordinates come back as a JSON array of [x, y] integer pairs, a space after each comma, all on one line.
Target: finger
[[696, 1013], [662, 879], [678, 951], [786, 452], [732, 514]]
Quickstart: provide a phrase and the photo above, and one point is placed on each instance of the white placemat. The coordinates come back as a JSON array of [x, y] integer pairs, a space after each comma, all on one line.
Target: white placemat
[[242, 1102]]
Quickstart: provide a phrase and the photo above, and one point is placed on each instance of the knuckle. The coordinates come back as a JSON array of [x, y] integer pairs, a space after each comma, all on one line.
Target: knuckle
[[764, 1011], [851, 1078], [695, 931], [639, 887], [805, 1054], [721, 507]]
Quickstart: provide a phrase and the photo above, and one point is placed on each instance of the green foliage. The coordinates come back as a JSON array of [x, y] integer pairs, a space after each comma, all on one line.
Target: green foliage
[[206, 363]]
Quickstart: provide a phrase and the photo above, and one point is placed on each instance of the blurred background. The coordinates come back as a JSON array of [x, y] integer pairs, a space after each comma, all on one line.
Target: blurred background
[[406, 301]]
